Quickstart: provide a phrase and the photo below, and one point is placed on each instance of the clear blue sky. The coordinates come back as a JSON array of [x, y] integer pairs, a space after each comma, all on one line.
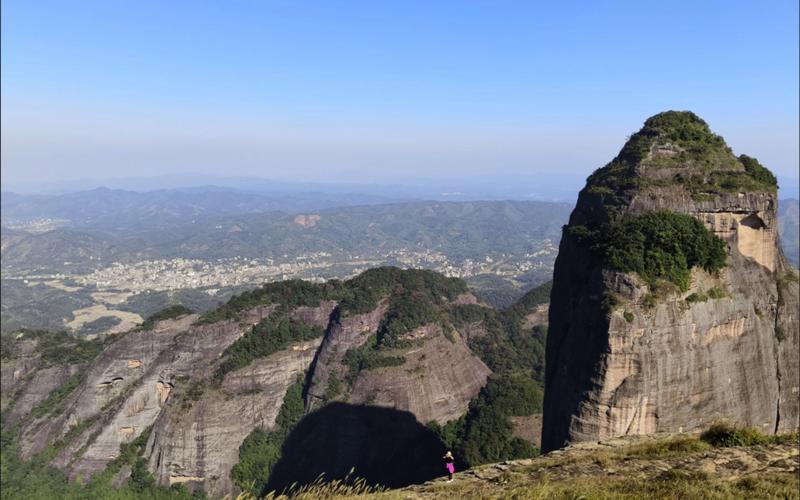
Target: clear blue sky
[[383, 91]]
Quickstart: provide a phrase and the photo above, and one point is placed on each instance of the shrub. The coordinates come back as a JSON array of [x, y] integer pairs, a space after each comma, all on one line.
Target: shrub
[[783, 279], [334, 388], [663, 245], [55, 348], [696, 297], [628, 316], [723, 434], [141, 479], [610, 301], [53, 402], [649, 301], [485, 433], [758, 172], [368, 356]]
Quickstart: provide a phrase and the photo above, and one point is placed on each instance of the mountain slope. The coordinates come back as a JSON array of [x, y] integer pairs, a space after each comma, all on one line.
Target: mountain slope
[[188, 396]]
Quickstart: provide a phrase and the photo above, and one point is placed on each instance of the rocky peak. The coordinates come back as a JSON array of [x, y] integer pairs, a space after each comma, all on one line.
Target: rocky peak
[[675, 162], [659, 323]]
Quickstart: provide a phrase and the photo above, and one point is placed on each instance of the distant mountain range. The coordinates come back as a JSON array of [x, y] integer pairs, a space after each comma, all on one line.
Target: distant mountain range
[[789, 229], [458, 230], [116, 209]]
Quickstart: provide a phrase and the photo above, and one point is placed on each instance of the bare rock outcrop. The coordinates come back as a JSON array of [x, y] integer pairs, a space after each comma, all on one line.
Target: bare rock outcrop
[[37, 389], [342, 335], [437, 379], [435, 383], [623, 359], [198, 441]]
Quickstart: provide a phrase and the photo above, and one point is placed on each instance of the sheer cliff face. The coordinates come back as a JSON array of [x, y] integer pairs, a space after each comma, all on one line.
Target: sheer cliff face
[[436, 380], [657, 362]]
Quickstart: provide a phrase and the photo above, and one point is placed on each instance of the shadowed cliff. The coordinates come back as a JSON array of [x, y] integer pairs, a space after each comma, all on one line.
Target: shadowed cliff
[[383, 445]]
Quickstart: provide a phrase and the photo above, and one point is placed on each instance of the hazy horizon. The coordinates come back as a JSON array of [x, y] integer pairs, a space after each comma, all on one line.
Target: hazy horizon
[[382, 94], [546, 186]]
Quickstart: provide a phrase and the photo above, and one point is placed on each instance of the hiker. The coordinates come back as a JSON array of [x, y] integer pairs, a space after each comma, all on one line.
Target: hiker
[[448, 462]]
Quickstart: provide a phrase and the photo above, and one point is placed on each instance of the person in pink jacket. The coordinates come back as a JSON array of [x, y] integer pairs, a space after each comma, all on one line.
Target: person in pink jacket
[[448, 463]]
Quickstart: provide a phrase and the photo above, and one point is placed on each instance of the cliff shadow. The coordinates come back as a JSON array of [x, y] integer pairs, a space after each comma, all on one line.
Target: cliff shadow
[[385, 446]]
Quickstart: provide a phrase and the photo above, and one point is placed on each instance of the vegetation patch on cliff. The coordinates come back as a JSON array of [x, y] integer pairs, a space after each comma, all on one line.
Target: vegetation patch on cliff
[[171, 312], [485, 433], [272, 334], [53, 348], [516, 356], [261, 449], [657, 246], [290, 293], [415, 298], [358, 295]]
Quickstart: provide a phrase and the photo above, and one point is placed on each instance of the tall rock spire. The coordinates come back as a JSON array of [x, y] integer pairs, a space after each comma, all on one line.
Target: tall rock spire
[[672, 304]]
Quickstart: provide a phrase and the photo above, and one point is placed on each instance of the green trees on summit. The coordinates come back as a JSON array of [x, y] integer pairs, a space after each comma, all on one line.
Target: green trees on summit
[[757, 171], [681, 140], [170, 312], [355, 296], [270, 335], [291, 293]]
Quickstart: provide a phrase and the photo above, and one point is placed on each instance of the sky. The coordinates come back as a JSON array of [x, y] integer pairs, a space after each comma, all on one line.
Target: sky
[[383, 92]]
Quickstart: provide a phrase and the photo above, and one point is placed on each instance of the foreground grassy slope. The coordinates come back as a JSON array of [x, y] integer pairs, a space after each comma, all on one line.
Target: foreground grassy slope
[[664, 467]]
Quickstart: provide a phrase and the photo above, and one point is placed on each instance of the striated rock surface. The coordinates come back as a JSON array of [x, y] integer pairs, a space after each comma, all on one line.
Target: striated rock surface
[[36, 390], [668, 360], [198, 441], [436, 380], [14, 372], [106, 389], [435, 383], [342, 335]]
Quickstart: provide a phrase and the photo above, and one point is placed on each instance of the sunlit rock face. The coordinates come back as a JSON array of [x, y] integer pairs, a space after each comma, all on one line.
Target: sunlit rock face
[[672, 364]]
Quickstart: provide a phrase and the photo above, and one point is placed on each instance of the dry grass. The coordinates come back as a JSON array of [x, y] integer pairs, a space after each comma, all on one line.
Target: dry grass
[[670, 485], [663, 468], [322, 490]]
